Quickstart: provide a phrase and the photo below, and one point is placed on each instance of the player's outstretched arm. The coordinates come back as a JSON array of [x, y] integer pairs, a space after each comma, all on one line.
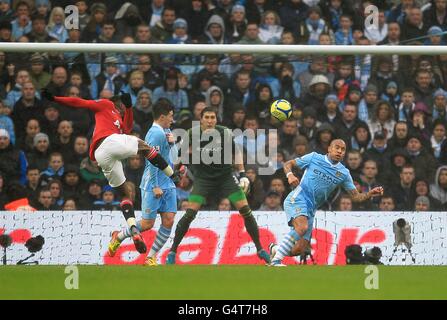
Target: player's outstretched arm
[[94, 105], [291, 178], [360, 197]]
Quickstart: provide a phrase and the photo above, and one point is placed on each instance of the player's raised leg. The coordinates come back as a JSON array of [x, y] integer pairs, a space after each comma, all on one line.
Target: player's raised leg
[[109, 155]]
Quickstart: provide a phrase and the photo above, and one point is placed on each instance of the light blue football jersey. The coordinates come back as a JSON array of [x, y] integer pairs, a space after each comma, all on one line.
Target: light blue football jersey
[[320, 178], [152, 176]]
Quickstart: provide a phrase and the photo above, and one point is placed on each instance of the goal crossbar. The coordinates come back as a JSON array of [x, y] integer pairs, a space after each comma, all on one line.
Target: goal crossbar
[[221, 48]]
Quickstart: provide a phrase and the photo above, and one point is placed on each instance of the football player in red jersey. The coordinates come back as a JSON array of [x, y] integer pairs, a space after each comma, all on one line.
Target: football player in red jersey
[[112, 143]]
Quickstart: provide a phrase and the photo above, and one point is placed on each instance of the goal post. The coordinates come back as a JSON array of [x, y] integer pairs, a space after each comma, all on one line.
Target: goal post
[[222, 48]]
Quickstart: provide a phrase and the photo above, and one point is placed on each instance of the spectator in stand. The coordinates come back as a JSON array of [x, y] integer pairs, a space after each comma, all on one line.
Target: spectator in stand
[[404, 192], [270, 28], [422, 203], [361, 138], [72, 182], [196, 11], [21, 77], [236, 24], [224, 205], [56, 25], [382, 119], [354, 163], [26, 143], [436, 15], [12, 161], [32, 183], [92, 30], [91, 171], [64, 141], [108, 201], [255, 196], [241, 91], [272, 202], [438, 190], [6, 12], [70, 205], [110, 79], [55, 168], [135, 85], [387, 203], [151, 77], [421, 159], [439, 108], [45, 201], [171, 91], [344, 128], [413, 27], [93, 193], [39, 155], [79, 152], [143, 111], [39, 31], [214, 32], [292, 13], [162, 30], [423, 189], [309, 124], [84, 17], [438, 138], [127, 19], [343, 35], [55, 187], [344, 203]]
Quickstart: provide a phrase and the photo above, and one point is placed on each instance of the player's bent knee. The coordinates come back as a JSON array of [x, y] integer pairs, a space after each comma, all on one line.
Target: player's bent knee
[[168, 220], [245, 211], [147, 224]]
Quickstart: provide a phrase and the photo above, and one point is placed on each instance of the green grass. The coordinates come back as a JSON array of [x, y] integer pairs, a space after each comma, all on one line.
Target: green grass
[[222, 282]]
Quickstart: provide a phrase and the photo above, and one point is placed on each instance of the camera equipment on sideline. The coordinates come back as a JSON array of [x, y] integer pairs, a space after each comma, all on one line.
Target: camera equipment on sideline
[[402, 236]]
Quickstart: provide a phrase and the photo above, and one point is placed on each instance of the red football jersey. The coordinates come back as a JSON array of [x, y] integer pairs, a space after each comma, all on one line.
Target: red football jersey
[[107, 117]]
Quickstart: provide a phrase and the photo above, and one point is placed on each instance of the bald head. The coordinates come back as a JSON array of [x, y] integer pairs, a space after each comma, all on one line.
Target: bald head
[[337, 150]]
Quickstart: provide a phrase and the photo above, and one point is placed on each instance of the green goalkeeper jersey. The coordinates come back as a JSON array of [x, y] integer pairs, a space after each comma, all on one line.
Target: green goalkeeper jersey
[[212, 152]]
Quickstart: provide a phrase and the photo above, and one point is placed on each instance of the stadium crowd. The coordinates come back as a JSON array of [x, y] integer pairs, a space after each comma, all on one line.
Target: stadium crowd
[[390, 110]]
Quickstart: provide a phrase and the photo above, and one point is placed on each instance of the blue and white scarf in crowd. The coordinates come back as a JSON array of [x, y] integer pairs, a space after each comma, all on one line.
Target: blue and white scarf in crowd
[[335, 18], [363, 111], [403, 115], [342, 39], [362, 69], [315, 28], [436, 146]]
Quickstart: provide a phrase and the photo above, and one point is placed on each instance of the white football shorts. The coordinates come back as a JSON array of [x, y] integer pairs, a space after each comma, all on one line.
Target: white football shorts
[[112, 150]]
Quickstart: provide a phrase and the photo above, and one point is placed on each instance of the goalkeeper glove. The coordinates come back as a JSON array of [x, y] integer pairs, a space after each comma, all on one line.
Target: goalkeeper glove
[[179, 174], [47, 95], [244, 183], [126, 99]]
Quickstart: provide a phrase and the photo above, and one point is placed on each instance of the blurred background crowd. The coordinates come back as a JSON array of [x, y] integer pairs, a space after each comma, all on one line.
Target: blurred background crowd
[[390, 110]]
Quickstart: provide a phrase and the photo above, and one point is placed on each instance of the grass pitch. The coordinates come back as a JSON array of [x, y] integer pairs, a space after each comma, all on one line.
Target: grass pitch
[[223, 282]]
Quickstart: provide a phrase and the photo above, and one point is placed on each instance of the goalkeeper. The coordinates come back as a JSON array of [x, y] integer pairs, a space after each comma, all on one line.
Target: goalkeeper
[[213, 178]]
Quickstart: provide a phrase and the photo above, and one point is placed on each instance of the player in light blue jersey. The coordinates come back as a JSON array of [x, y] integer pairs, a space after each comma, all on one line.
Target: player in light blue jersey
[[322, 174], [158, 192]]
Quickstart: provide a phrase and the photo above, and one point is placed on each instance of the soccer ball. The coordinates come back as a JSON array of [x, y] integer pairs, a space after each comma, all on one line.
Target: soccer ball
[[281, 109]]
